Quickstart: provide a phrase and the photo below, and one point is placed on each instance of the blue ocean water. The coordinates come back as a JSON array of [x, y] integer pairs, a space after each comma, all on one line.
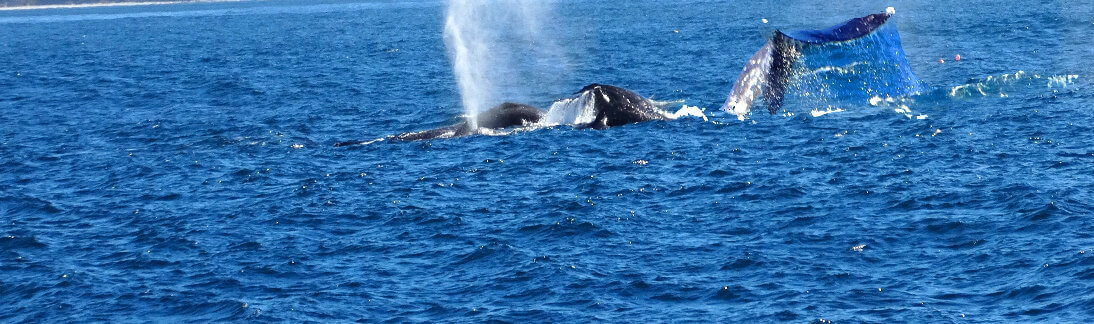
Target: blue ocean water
[[175, 163]]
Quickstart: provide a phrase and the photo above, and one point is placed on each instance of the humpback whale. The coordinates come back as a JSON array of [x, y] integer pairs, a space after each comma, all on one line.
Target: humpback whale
[[857, 59], [595, 106], [506, 115], [615, 106]]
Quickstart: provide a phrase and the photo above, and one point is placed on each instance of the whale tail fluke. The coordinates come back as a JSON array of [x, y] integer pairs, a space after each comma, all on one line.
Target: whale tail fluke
[[856, 59]]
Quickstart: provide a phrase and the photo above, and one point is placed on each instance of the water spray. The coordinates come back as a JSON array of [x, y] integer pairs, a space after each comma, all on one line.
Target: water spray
[[499, 51]]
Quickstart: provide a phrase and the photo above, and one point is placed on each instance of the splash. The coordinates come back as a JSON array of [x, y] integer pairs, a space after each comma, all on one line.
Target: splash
[[991, 86], [851, 61], [577, 110], [581, 109], [1001, 85], [500, 51]]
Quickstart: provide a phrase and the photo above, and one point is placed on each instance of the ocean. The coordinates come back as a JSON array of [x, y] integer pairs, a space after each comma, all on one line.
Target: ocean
[[175, 163]]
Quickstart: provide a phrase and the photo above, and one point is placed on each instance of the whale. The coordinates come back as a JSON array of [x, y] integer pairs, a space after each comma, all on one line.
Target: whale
[[503, 116], [851, 61], [614, 106], [595, 106]]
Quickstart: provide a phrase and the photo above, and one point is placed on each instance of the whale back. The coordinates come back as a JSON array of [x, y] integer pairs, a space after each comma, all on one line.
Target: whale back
[[616, 106], [457, 130], [508, 115], [505, 115]]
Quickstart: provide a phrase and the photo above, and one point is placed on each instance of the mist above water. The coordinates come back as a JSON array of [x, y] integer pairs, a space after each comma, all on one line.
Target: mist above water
[[501, 51]]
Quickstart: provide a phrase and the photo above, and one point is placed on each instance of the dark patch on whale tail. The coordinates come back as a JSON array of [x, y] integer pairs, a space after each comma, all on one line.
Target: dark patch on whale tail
[[864, 54]]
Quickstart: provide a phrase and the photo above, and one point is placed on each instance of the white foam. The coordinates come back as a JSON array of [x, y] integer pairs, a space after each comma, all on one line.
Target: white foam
[[830, 110], [689, 111], [999, 85], [1061, 80], [878, 100], [665, 103]]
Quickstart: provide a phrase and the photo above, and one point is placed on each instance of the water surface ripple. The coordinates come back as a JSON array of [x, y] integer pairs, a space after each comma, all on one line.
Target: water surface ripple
[[175, 163]]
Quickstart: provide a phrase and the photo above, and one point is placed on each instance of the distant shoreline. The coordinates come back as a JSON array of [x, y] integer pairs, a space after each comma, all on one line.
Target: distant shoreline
[[111, 4]]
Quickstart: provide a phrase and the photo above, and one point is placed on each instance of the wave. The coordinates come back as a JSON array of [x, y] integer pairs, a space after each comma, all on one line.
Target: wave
[[236, 11], [109, 4], [1001, 86]]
